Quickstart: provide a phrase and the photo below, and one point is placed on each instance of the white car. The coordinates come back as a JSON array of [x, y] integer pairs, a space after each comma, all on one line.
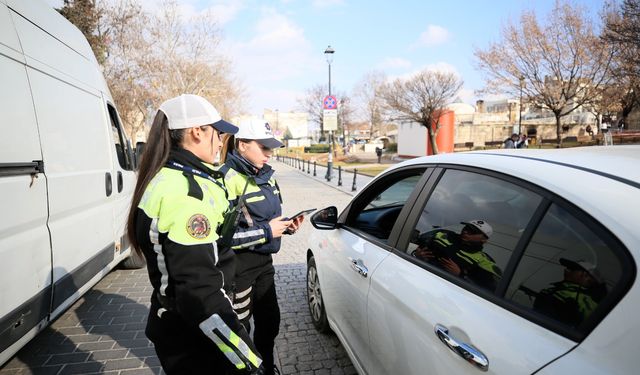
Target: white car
[[509, 262]]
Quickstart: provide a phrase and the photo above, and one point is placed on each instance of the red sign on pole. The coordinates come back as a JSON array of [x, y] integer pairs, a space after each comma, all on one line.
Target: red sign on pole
[[330, 102]]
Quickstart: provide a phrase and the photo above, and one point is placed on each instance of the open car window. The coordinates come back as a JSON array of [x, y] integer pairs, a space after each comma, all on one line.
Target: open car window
[[379, 207]]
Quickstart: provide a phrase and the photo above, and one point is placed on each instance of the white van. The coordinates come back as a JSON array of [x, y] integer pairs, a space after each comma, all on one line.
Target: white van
[[66, 171]]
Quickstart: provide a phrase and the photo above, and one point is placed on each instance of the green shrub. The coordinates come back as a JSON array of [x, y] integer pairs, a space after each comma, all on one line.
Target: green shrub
[[317, 148], [392, 147]]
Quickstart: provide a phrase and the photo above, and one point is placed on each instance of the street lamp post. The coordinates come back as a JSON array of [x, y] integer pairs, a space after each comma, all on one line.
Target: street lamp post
[[328, 53], [520, 106]]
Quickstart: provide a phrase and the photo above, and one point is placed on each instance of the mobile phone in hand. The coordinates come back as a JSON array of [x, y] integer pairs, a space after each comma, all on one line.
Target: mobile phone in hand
[[301, 213]]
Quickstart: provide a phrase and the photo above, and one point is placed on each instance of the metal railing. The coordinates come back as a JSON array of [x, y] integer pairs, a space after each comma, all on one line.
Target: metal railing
[[299, 163]]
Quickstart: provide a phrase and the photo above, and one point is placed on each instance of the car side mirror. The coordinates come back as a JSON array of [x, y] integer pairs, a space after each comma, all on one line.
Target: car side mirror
[[325, 219]]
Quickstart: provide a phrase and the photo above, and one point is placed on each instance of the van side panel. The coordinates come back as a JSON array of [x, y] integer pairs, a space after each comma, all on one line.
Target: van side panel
[[8, 35], [73, 135], [45, 49], [25, 250], [19, 141], [47, 18], [76, 145]]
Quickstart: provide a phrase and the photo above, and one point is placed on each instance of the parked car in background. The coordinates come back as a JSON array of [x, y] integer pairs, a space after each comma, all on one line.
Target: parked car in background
[[66, 172], [507, 261]]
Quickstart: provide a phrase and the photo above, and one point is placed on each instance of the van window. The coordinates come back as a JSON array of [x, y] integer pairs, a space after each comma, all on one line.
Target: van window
[[123, 149]]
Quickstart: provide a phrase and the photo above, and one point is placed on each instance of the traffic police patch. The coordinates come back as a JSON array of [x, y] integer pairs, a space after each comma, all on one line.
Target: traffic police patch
[[198, 226]]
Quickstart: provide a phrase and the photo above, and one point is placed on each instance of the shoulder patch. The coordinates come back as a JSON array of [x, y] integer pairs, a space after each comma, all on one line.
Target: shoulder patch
[[198, 226]]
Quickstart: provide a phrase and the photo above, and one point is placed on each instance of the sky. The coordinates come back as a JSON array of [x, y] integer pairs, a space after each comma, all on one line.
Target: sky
[[277, 46]]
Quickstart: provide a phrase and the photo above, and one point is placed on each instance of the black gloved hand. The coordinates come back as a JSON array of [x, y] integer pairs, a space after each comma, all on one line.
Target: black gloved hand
[[259, 371]]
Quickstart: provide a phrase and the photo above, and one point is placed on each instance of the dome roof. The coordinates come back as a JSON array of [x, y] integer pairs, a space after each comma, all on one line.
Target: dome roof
[[460, 108]]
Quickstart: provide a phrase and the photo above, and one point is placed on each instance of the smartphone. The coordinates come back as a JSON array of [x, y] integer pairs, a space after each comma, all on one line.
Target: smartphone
[[303, 212]]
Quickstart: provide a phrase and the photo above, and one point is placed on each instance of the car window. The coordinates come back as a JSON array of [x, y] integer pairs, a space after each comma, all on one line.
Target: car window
[[567, 269], [123, 151], [382, 203], [471, 225]]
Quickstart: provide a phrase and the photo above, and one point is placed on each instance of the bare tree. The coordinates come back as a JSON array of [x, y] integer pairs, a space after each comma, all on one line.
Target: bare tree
[[421, 99], [86, 16], [561, 64], [345, 114], [155, 56], [623, 30], [368, 91], [311, 102]]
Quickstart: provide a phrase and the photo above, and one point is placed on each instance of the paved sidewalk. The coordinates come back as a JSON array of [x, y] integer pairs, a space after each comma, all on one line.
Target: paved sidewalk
[[103, 333]]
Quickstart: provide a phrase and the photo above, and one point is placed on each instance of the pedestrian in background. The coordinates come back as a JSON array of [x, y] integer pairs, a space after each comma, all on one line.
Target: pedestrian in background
[[249, 180], [178, 204], [511, 142], [523, 142]]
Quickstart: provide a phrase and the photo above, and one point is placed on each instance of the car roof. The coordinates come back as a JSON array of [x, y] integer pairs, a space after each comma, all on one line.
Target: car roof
[[616, 162], [603, 181]]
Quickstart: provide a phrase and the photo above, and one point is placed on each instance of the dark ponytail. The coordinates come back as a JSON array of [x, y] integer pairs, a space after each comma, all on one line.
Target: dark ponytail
[[154, 157], [228, 147]]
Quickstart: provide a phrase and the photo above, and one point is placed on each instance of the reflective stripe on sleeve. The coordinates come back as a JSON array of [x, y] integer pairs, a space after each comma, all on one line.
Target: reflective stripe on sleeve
[[249, 244], [236, 350], [251, 233], [162, 266], [215, 253]]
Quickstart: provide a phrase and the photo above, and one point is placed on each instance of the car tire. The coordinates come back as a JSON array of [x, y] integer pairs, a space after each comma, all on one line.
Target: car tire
[[314, 298], [134, 261]]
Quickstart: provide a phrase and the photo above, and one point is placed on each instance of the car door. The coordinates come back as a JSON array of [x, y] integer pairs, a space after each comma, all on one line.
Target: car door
[[423, 314], [354, 251]]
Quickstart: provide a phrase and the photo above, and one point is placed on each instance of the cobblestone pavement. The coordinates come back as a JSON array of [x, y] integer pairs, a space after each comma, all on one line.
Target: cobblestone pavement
[[103, 333]]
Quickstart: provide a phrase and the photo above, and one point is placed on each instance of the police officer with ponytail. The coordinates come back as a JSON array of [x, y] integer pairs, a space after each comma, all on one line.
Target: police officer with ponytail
[[178, 205], [255, 193]]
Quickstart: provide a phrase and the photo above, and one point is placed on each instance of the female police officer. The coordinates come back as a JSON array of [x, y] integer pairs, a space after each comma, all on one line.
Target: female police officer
[[249, 181], [177, 207]]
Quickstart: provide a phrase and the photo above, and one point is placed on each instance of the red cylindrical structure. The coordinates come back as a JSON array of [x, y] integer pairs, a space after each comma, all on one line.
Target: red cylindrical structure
[[445, 136]]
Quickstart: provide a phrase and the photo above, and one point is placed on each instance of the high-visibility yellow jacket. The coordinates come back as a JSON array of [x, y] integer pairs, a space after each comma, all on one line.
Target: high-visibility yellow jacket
[[176, 226]]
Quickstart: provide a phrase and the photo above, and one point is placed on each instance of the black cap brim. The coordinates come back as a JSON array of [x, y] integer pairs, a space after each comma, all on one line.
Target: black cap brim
[[270, 143], [225, 127], [571, 264]]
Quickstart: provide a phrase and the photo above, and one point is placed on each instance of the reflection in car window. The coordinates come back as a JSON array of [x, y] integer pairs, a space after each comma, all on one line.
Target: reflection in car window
[[566, 270], [471, 225], [381, 212]]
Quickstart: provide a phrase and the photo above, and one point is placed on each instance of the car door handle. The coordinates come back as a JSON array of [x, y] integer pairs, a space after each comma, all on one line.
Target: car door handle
[[466, 351], [108, 184], [359, 267], [120, 182]]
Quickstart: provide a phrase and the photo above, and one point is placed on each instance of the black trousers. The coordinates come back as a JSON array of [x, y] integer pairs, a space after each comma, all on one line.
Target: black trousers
[[261, 302], [183, 350]]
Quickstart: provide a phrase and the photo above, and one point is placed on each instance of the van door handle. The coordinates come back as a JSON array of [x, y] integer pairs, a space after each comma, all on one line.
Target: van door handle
[[359, 267], [108, 184], [120, 183], [464, 350]]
